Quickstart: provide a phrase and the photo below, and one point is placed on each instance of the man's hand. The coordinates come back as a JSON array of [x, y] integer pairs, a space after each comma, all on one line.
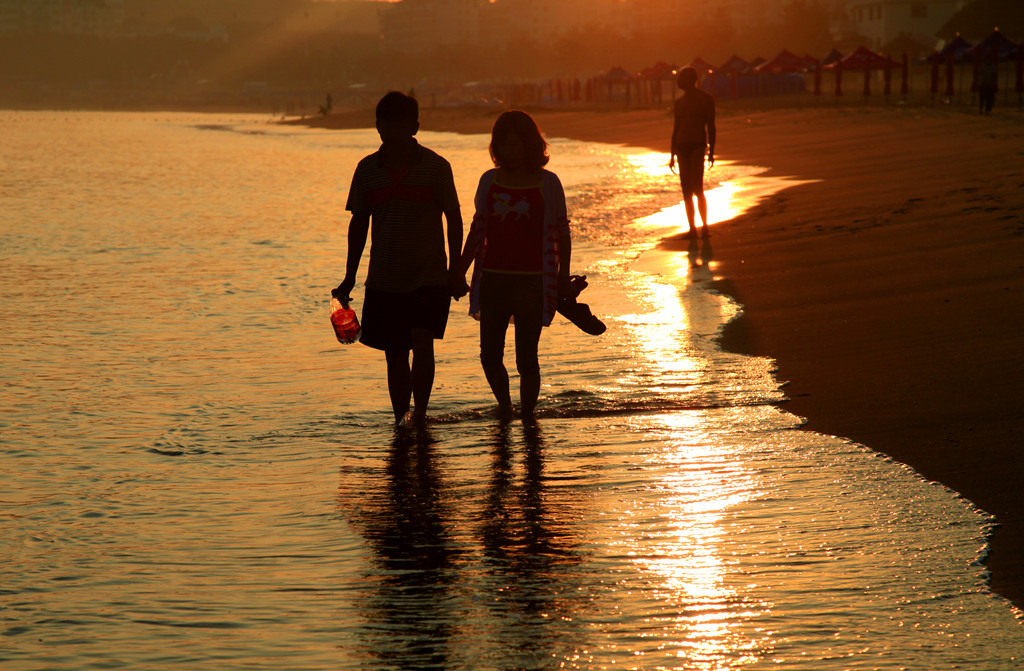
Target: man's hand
[[711, 159], [672, 163], [457, 285], [342, 291]]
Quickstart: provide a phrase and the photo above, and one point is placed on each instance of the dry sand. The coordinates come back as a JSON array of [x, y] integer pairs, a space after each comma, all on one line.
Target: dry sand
[[890, 291]]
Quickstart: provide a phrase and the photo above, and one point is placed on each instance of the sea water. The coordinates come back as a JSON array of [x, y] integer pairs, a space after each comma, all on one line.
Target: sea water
[[197, 475]]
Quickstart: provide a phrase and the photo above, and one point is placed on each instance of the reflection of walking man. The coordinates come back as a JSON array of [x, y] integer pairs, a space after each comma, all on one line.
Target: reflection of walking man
[[693, 134]]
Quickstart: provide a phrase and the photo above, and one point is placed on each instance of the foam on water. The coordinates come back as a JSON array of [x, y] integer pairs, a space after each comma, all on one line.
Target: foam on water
[[197, 475]]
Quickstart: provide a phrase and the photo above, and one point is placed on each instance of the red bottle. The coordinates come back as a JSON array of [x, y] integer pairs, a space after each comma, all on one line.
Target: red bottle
[[346, 325]]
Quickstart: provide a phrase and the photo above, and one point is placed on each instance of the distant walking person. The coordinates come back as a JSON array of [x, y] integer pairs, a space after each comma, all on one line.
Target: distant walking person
[[693, 135], [520, 245], [404, 189], [988, 77]]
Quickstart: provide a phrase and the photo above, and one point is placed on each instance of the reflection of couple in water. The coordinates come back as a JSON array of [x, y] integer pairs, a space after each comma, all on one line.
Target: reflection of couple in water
[[437, 551]]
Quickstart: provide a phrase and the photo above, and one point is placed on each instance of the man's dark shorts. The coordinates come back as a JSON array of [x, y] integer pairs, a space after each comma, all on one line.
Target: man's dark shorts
[[691, 164], [389, 318]]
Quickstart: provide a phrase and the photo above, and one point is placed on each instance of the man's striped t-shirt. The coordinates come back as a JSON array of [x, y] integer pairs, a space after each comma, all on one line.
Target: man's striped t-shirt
[[407, 240]]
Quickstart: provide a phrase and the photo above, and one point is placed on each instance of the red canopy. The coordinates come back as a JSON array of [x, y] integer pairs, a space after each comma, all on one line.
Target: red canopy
[[832, 57], [735, 65], [784, 62], [861, 58]]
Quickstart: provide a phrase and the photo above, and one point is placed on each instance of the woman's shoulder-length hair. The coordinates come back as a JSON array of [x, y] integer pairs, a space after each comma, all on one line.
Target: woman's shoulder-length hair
[[522, 125]]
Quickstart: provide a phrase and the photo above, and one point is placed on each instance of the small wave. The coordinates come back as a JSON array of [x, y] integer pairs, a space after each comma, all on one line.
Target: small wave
[[583, 404]]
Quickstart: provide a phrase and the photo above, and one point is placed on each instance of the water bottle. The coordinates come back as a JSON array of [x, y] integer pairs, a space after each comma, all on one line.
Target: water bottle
[[344, 321]]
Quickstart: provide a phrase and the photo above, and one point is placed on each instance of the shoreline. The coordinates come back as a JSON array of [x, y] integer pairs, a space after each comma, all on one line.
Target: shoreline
[[889, 291]]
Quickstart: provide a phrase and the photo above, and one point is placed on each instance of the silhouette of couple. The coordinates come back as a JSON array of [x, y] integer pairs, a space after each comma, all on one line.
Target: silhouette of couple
[[519, 245]]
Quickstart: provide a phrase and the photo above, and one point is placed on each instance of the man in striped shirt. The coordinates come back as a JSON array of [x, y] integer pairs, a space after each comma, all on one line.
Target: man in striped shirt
[[403, 189]]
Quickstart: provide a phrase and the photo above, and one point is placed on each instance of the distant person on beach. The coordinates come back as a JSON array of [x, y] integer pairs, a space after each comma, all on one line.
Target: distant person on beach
[[987, 80], [404, 189], [693, 135], [520, 248]]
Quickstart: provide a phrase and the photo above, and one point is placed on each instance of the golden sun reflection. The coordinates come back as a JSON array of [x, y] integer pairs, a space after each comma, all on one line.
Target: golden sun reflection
[[725, 201], [696, 477]]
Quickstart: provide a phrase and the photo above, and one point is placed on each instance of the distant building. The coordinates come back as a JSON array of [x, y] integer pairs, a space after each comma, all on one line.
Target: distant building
[[65, 17], [874, 23]]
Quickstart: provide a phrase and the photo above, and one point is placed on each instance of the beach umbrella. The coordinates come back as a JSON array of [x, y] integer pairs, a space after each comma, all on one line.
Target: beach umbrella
[[867, 77], [956, 47], [839, 78], [1020, 69], [657, 73], [887, 77], [905, 75], [949, 74], [858, 58], [832, 57], [784, 62], [616, 75], [974, 71], [997, 42], [817, 80], [735, 65]]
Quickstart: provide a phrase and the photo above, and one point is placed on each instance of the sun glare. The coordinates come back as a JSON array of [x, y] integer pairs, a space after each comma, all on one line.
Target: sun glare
[[695, 478]]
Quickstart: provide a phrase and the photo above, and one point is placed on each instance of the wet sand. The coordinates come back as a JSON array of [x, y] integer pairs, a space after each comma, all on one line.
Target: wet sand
[[890, 291]]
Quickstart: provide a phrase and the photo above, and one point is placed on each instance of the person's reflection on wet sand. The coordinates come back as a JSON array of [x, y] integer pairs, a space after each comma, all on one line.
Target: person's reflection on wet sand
[[407, 526], [527, 552], [700, 254]]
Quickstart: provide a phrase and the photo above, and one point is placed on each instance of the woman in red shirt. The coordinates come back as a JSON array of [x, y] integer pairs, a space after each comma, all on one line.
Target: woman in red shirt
[[520, 245]]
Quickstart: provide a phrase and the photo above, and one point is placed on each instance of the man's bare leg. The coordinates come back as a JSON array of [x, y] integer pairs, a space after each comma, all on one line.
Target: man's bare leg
[[702, 207], [422, 373], [399, 381]]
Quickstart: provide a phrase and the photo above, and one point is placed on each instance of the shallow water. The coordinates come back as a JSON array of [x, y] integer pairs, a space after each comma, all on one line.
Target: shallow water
[[198, 476]]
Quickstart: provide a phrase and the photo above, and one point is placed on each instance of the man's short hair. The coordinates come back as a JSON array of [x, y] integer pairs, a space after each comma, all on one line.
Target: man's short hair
[[397, 106], [687, 75]]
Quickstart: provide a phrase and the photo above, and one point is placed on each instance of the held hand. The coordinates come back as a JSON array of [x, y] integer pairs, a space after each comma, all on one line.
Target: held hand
[[342, 291], [565, 288], [711, 159], [457, 285], [672, 163]]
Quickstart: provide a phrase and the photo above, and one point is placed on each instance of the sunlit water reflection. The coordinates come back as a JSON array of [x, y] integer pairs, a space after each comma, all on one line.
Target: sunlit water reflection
[[199, 476]]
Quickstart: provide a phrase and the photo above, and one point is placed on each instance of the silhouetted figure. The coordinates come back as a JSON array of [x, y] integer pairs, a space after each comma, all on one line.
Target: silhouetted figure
[[693, 135], [520, 245], [407, 524], [404, 189], [987, 75]]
